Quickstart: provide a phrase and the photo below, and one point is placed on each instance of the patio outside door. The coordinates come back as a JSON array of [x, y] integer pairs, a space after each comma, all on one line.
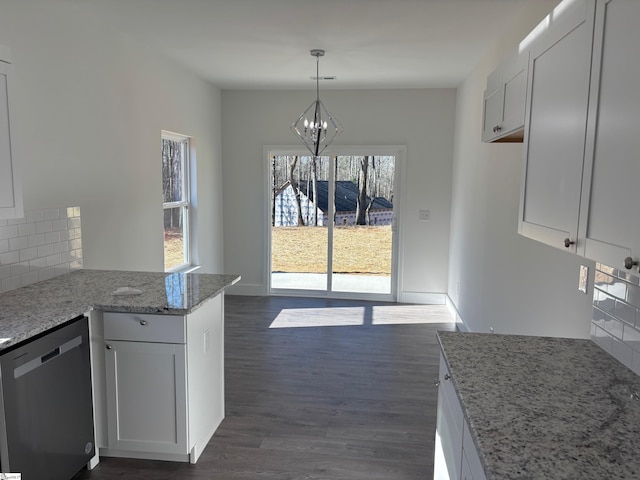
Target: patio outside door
[[332, 225]]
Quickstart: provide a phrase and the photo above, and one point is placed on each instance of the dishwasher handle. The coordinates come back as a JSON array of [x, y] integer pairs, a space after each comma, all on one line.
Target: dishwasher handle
[[39, 361]]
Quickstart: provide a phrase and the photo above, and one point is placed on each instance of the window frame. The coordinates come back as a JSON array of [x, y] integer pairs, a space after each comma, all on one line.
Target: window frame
[[185, 204]]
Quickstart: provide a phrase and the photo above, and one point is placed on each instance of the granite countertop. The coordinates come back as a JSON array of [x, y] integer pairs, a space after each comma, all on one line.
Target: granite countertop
[[541, 408], [28, 311]]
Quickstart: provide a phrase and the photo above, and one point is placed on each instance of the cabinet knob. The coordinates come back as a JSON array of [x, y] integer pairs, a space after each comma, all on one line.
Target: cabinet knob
[[447, 376], [143, 322], [568, 242], [497, 128], [629, 263], [109, 347]]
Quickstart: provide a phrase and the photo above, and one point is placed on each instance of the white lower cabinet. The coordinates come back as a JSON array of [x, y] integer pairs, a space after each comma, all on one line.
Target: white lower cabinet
[[159, 382], [146, 396], [456, 456]]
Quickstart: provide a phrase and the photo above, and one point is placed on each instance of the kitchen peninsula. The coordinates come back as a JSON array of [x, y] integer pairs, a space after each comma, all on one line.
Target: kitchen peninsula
[[540, 407], [157, 353]]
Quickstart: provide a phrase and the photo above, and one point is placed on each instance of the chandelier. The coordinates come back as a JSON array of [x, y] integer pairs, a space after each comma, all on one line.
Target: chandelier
[[316, 127]]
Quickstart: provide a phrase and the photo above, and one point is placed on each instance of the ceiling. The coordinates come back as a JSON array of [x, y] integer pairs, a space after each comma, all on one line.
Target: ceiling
[[265, 44]]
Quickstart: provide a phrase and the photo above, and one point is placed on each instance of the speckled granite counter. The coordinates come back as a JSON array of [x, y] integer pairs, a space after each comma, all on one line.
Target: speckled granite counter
[[546, 408], [33, 309]]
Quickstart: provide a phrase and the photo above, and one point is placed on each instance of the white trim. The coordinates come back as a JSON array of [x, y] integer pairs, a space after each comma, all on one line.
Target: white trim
[[422, 298]]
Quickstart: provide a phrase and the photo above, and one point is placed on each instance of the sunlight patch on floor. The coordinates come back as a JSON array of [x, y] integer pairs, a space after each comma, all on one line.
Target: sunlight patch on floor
[[319, 317], [410, 314], [365, 315]]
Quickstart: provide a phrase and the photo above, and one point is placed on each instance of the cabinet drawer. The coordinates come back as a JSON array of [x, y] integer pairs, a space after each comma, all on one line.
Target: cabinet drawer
[[138, 327]]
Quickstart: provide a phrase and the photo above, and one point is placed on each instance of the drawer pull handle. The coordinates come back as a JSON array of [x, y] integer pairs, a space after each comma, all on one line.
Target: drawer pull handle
[[143, 322], [629, 263]]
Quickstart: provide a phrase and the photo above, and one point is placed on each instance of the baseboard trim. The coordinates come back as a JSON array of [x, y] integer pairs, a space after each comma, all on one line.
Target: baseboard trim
[[453, 310], [422, 298], [252, 289]]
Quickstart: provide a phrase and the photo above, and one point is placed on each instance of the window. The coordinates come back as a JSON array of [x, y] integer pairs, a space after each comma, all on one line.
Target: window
[[175, 194]]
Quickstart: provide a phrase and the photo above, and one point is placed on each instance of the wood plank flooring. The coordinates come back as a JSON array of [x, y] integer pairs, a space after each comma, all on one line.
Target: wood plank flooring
[[350, 401]]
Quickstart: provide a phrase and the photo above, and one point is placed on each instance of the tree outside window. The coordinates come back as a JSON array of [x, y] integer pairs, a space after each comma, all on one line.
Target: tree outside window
[[175, 192]]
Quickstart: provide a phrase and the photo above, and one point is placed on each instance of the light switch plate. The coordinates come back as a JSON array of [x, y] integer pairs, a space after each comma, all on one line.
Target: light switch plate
[[424, 215], [583, 280]]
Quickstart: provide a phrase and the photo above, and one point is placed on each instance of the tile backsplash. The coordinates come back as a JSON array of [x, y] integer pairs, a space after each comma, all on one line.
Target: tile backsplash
[[615, 324], [44, 244]]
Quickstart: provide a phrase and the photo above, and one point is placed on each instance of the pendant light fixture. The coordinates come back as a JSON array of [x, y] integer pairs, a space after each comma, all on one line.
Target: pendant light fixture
[[316, 127]]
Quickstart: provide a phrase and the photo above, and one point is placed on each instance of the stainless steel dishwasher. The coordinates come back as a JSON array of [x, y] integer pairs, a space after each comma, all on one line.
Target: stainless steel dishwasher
[[46, 426]]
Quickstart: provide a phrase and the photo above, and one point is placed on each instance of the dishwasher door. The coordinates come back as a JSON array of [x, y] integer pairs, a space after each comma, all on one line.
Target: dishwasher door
[[48, 408]]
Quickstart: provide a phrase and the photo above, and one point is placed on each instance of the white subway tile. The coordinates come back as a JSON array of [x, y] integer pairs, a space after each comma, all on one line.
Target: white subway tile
[[37, 263], [5, 271], [635, 363], [18, 243], [54, 259], [52, 237], [26, 229], [75, 244], [46, 273], [74, 223], [61, 269], [19, 268], [65, 235], [61, 247], [625, 312], [45, 250], [35, 215], [16, 221], [28, 278], [622, 352], [602, 339], [51, 214], [3, 222], [66, 212], [8, 231], [76, 211], [36, 240], [10, 283], [76, 264], [28, 254], [631, 337], [4, 245], [9, 257], [59, 225], [44, 227]]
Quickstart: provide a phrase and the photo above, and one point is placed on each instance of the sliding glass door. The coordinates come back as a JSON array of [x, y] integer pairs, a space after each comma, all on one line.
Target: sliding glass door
[[332, 225]]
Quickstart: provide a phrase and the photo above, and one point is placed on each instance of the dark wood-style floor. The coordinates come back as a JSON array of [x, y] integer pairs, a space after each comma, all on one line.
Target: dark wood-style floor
[[318, 389]]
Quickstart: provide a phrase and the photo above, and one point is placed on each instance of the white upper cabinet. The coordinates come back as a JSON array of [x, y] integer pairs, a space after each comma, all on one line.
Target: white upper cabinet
[[555, 126], [10, 188], [504, 101], [611, 193]]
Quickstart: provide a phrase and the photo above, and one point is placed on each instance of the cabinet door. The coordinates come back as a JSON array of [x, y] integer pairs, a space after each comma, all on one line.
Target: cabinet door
[[448, 452], [555, 127], [611, 198], [515, 93], [10, 191], [146, 397], [492, 106]]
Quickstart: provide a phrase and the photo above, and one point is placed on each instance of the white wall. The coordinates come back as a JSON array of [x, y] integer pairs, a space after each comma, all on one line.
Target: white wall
[[496, 277], [90, 106], [422, 120]]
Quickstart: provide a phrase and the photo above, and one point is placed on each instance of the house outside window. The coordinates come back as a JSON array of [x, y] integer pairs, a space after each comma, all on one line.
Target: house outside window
[[176, 196]]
